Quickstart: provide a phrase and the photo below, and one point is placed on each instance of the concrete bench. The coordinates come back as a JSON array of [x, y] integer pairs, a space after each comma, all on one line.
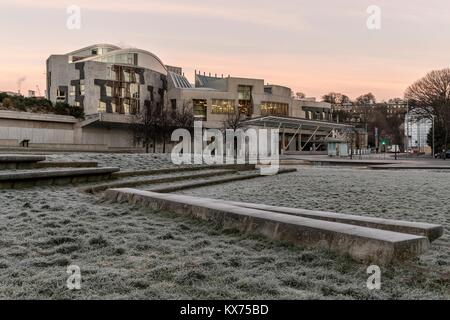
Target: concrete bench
[[431, 231], [360, 243]]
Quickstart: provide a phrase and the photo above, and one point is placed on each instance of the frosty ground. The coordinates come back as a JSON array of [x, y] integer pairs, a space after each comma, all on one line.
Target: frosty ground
[[132, 253]]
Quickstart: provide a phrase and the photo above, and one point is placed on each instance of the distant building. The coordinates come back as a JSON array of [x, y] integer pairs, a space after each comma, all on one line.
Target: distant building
[[416, 133], [10, 93]]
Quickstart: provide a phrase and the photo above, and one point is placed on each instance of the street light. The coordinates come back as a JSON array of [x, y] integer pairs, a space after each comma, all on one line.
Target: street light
[[433, 153]]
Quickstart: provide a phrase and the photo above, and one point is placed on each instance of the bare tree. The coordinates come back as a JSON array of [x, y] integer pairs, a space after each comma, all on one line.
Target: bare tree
[[300, 95], [336, 98], [429, 98], [234, 121], [183, 118], [367, 98], [145, 126]]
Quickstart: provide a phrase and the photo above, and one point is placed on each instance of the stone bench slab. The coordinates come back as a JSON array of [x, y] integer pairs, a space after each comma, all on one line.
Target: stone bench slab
[[431, 231], [361, 243]]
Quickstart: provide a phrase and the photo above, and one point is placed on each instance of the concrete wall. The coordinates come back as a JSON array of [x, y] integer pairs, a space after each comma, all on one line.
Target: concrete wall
[[47, 130], [36, 128], [112, 137]]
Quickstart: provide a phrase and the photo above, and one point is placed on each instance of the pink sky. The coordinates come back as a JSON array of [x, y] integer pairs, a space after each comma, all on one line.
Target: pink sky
[[313, 47]]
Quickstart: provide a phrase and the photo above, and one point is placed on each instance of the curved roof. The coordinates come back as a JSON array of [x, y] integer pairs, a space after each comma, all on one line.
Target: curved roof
[[98, 45], [146, 59]]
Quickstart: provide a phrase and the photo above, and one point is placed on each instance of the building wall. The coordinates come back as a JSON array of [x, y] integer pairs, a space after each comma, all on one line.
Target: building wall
[[109, 136]]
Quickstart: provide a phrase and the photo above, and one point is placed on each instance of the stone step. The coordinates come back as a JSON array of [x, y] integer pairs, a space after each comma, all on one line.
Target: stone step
[[30, 178], [66, 164], [158, 179], [360, 243], [17, 161], [431, 231], [238, 167], [211, 182], [410, 167]]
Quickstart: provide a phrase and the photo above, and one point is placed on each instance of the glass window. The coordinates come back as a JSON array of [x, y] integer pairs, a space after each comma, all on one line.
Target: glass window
[[274, 108], [134, 90], [101, 106], [244, 92], [60, 93], [72, 90], [126, 106], [200, 109], [109, 91], [222, 106]]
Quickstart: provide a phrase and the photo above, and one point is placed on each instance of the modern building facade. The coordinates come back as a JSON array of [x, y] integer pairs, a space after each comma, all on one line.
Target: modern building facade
[[113, 84]]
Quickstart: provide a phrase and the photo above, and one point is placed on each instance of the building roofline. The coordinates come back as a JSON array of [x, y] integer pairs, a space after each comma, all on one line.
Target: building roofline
[[94, 46]]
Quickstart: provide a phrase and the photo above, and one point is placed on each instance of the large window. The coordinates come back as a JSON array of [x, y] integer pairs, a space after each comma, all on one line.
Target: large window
[[244, 92], [200, 107], [274, 108], [101, 107], [223, 106], [245, 100]]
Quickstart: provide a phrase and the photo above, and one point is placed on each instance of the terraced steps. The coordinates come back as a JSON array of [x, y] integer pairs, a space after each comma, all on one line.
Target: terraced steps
[[192, 184], [16, 161], [30, 178], [65, 164], [238, 167], [163, 178]]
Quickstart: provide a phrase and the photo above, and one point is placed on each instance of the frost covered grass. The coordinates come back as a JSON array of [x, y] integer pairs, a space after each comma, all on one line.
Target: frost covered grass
[[132, 253], [138, 161]]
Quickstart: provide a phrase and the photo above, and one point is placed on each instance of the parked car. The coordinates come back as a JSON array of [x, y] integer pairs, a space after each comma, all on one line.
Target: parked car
[[394, 148], [441, 155]]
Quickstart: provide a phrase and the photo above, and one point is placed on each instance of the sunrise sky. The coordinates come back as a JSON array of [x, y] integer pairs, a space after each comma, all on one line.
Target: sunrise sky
[[311, 46]]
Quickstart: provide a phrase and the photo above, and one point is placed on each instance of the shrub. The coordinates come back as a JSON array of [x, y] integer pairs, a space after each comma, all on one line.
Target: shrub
[[68, 110], [7, 102], [3, 96]]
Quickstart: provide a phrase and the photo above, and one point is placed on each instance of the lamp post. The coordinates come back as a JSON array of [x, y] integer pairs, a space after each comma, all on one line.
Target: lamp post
[[432, 154]]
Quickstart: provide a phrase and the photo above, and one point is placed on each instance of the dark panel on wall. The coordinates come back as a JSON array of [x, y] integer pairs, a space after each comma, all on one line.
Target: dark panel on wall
[[80, 67], [103, 96]]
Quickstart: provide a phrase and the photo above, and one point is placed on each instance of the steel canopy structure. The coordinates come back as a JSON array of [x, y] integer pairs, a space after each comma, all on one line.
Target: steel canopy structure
[[309, 133]]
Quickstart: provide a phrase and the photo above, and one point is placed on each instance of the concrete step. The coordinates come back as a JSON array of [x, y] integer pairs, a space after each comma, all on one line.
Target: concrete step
[[192, 184], [410, 167], [360, 243], [157, 179], [244, 167], [431, 231], [66, 164], [17, 161], [30, 178]]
